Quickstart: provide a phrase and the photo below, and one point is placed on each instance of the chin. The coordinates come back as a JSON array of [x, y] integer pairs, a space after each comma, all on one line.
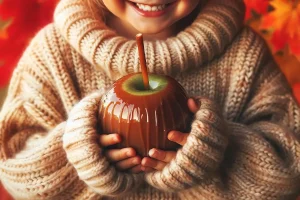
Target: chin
[[152, 32], [150, 29], [155, 31]]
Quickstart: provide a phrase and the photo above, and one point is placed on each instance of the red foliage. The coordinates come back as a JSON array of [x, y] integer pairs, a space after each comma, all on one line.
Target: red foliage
[[284, 20], [3, 194], [258, 6], [27, 17]]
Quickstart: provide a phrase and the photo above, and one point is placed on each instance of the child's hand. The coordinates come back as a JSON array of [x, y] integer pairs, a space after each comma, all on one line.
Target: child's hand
[[158, 158], [123, 159]]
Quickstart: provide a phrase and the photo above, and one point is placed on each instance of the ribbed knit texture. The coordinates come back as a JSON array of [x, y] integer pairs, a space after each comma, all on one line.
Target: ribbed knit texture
[[244, 140]]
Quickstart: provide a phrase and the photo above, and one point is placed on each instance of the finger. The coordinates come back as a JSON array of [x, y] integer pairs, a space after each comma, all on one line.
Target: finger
[[147, 169], [164, 156], [128, 163], [136, 169], [178, 137], [110, 139], [193, 106], [116, 155], [155, 164]]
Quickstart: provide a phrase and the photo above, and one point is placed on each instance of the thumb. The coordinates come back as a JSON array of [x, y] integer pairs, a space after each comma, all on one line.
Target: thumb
[[178, 137], [193, 106]]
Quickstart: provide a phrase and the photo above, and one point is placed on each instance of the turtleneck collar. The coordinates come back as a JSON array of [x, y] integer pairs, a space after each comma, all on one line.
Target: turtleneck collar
[[211, 32]]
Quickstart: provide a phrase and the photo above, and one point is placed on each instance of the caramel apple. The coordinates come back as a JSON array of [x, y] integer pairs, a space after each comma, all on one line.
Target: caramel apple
[[144, 117]]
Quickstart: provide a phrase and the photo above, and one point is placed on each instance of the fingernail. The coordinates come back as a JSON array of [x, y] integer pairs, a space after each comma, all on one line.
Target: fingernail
[[116, 138], [143, 168], [171, 136], [129, 153], [153, 153]]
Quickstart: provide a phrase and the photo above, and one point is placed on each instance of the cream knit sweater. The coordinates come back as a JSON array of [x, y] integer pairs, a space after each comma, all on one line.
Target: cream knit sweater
[[247, 147]]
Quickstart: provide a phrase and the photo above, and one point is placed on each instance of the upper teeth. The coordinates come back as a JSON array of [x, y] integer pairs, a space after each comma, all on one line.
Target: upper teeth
[[151, 8]]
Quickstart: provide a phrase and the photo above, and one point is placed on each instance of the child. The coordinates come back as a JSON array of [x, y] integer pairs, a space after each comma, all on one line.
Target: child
[[244, 140]]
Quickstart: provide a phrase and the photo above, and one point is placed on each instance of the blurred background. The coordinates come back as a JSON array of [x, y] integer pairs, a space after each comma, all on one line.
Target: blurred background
[[278, 21]]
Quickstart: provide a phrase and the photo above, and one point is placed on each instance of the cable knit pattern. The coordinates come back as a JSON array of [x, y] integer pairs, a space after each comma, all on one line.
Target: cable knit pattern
[[200, 156], [244, 140], [81, 144], [194, 46]]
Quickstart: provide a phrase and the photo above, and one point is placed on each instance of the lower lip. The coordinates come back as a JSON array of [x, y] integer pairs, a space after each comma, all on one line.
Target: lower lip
[[151, 13]]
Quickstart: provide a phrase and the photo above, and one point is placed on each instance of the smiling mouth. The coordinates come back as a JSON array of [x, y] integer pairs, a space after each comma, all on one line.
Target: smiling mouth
[[150, 8]]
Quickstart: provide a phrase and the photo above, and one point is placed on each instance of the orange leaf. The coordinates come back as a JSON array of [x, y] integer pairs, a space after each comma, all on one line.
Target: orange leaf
[[277, 19], [258, 6], [4, 24], [284, 20]]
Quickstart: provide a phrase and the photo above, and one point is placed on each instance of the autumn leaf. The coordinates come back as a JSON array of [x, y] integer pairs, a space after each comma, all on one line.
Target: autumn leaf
[[258, 6], [4, 24], [284, 21]]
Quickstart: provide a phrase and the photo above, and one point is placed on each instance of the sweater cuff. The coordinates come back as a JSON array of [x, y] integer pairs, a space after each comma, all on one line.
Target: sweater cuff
[[200, 156], [81, 143]]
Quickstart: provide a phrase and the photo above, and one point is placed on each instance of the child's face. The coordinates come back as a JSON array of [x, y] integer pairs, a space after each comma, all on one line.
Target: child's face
[[151, 16]]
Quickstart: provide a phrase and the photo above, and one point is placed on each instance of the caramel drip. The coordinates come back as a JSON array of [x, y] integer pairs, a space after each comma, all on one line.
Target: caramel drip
[[105, 122], [147, 130], [128, 126], [141, 128], [121, 118], [164, 123], [112, 115], [156, 127]]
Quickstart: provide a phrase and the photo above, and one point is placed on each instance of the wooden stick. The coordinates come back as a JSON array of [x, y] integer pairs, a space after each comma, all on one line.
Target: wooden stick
[[140, 43]]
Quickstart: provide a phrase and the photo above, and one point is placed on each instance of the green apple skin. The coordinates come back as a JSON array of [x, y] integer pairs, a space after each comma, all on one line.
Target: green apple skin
[[134, 85], [142, 117]]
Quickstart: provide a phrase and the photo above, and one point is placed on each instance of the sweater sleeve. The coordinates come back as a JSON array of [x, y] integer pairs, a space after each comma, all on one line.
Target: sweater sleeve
[[202, 154], [46, 151], [262, 160]]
